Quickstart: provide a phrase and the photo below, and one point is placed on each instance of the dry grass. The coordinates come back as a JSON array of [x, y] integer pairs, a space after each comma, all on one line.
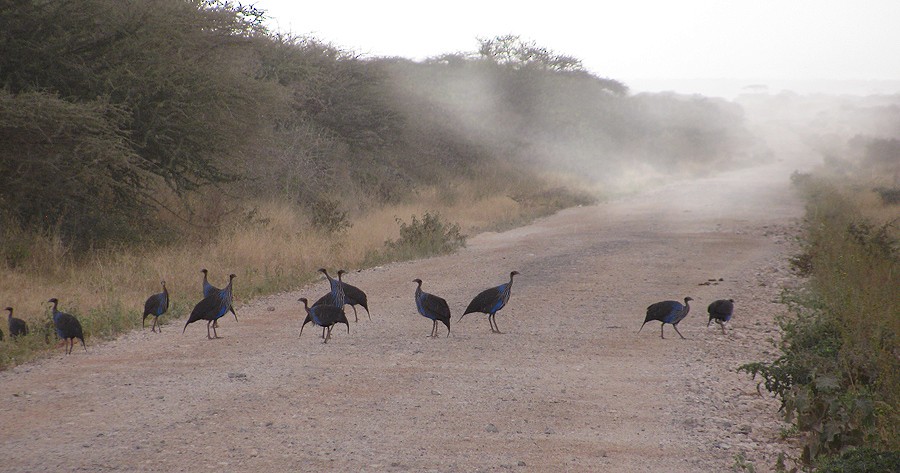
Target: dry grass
[[277, 250]]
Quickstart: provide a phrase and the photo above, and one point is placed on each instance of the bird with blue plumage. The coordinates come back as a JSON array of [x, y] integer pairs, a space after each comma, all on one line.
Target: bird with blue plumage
[[490, 301], [211, 309], [67, 327], [156, 305], [432, 307], [209, 289], [325, 316], [668, 312], [338, 299]]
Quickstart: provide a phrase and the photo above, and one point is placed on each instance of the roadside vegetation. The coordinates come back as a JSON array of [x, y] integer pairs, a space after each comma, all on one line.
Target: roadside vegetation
[[838, 378], [143, 141]]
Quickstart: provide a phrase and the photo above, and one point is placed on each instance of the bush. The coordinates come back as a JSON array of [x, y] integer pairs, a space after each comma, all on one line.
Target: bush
[[838, 378], [426, 237]]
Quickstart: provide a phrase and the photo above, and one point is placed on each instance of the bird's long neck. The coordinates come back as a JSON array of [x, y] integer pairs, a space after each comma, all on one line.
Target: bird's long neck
[[419, 291], [9, 315]]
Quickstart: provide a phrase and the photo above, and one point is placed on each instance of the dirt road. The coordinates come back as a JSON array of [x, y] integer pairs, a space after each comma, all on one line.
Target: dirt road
[[569, 386]]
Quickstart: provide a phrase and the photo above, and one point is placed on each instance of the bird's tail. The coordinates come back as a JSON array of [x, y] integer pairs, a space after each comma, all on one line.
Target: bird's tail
[[642, 326], [710, 321], [82, 343], [460, 318], [185, 327], [142, 320]]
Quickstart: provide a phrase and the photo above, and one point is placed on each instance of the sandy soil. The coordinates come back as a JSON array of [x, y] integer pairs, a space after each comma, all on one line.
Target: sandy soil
[[570, 386]]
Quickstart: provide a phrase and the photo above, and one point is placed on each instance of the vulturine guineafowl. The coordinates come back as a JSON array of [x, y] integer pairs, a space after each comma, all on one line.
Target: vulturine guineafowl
[[720, 311], [354, 296], [209, 289], [667, 312], [432, 307], [338, 299], [490, 301], [325, 316], [17, 327], [156, 305], [67, 327], [210, 309]]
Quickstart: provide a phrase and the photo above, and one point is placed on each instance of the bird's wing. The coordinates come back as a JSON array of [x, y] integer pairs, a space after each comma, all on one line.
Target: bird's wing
[[663, 311], [153, 303], [436, 305], [324, 300], [354, 294], [70, 326], [326, 315], [205, 308], [484, 301]]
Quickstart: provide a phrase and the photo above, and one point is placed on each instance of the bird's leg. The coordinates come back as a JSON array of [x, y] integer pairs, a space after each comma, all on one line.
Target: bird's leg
[[367, 313], [234, 313], [355, 317], [71, 345], [679, 333], [495, 324], [323, 332], [722, 324], [327, 336], [661, 330], [208, 337], [215, 334], [433, 328]]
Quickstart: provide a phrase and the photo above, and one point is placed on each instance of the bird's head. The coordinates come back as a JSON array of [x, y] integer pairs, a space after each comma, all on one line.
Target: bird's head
[[322, 270], [204, 271], [9, 309], [303, 300], [417, 281], [688, 299], [232, 276], [53, 301], [513, 274], [731, 300], [163, 282], [340, 272]]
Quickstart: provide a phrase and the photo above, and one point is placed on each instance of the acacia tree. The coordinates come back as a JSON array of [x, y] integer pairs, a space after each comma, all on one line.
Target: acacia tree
[[165, 85]]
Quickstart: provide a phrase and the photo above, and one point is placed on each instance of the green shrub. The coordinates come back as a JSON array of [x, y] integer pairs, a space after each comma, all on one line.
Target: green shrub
[[838, 378], [426, 237]]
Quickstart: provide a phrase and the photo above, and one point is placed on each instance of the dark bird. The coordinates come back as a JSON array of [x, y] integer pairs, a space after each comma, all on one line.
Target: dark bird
[[67, 327], [354, 296], [338, 299], [208, 289], [325, 316], [17, 327], [720, 311], [490, 301], [156, 305], [210, 309], [667, 312], [432, 307]]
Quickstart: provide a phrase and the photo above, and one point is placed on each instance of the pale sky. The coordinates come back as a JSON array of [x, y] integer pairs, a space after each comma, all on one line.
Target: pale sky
[[644, 43]]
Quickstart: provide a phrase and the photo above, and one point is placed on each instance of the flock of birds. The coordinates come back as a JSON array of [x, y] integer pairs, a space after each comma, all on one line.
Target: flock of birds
[[328, 310]]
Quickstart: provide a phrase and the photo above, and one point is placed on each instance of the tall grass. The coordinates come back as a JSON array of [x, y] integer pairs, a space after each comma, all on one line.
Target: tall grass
[[276, 250], [839, 376]]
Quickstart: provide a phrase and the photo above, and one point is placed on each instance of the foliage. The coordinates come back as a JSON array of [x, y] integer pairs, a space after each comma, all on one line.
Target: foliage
[[426, 237], [862, 460], [838, 377]]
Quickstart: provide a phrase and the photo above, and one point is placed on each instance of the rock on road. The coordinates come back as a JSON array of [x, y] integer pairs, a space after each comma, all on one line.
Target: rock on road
[[569, 386]]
